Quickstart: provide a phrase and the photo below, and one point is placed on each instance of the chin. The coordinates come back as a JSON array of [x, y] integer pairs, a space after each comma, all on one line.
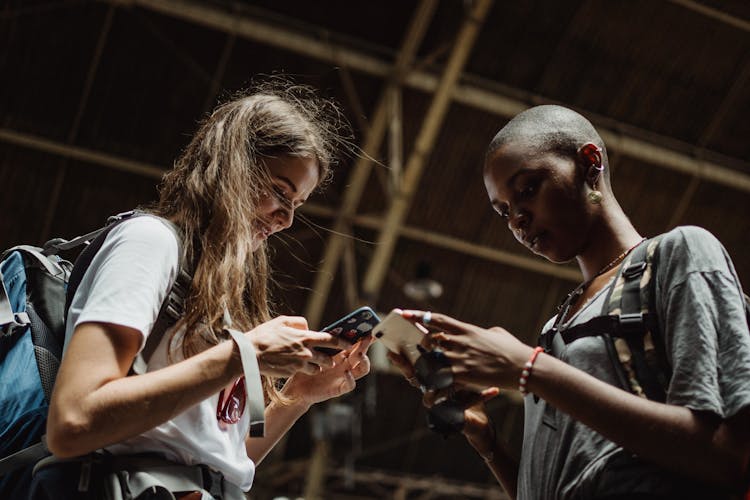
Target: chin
[[556, 257], [257, 243]]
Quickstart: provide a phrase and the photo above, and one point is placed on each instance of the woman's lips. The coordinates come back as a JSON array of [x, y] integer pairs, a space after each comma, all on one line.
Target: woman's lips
[[535, 242], [263, 231]]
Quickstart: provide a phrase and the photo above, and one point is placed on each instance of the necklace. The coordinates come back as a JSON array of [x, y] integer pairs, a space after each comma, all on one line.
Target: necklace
[[568, 302]]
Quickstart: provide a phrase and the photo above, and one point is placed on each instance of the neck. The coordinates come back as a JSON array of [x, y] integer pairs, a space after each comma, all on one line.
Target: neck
[[609, 239]]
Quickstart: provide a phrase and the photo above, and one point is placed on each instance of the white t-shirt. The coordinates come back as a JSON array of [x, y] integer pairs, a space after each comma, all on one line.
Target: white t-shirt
[[125, 285]]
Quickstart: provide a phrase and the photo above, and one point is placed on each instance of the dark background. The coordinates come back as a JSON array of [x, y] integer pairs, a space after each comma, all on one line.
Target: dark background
[[97, 98]]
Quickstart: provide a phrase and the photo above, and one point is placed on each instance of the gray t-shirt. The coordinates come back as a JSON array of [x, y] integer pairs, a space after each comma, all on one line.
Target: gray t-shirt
[[701, 315]]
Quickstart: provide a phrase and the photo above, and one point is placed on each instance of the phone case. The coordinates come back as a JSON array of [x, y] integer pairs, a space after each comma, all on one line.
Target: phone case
[[352, 327], [399, 336]]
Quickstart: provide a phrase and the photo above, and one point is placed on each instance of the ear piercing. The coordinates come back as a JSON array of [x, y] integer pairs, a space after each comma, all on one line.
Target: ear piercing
[[595, 197], [593, 153]]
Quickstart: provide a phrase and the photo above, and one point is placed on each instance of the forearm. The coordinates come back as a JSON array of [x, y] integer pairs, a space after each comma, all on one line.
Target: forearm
[[671, 436], [503, 466], [80, 422], [279, 419]]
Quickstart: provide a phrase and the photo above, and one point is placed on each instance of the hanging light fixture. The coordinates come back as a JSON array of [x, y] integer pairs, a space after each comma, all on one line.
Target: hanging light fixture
[[423, 287]]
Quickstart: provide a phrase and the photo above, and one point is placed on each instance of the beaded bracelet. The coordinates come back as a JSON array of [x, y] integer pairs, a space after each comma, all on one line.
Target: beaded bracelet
[[527, 371]]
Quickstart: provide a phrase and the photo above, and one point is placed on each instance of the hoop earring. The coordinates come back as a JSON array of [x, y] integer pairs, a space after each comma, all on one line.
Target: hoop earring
[[595, 196]]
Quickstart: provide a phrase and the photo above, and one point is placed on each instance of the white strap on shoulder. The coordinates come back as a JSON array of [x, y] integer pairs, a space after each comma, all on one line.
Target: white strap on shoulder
[[255, 402]]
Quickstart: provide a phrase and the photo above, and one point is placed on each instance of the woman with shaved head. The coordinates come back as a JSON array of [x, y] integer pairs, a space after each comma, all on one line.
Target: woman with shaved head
[[621, 402]]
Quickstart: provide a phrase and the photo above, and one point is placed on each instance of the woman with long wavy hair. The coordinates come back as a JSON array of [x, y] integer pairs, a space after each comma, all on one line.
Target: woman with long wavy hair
[[250, 165]]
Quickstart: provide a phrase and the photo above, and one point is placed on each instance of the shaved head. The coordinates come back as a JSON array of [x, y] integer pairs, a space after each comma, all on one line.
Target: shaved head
[[549, 129]]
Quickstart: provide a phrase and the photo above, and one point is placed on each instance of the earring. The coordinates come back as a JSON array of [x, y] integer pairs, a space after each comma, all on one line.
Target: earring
[[595, 197]]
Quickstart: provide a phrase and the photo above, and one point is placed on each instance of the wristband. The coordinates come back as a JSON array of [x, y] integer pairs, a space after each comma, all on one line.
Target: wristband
[[255, 403], [527, 371]]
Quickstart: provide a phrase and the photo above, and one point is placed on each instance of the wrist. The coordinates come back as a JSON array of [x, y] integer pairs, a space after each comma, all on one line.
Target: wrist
[[527, 369], [227, 355], [295, 399], [485, 442]]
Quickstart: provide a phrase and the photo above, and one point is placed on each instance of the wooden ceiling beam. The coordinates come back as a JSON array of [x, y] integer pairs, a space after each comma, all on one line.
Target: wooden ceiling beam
[[357, 181], [480, 94], [716, 14], [54, 197], [457, 245], [426, 236], [423, 145], [737, 89]]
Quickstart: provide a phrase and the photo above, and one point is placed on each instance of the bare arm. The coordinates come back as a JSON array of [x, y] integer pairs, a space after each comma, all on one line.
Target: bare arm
[[674, 437], [478, 428], [279, 419], [305, 390], [480, 433], [690, 443], [94, 401]]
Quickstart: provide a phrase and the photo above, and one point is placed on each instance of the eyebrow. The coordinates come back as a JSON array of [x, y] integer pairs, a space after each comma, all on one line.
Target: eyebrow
[[288, 181], [511, 182], [519, 173]]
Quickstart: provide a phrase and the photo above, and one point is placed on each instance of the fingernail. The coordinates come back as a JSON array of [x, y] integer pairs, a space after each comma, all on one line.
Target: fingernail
[[407, 314], [441, 399]]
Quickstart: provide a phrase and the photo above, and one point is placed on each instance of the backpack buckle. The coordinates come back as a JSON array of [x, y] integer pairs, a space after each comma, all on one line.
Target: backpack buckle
[[634, 270], [212, 481], [632, 323], [118, 217]]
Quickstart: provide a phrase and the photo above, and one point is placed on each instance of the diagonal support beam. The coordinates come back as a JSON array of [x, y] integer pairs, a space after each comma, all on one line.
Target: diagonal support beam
[[54, 198], [716, 14], [736, 91], [99, 159], [424, 143], [361, 173], [480, 94]]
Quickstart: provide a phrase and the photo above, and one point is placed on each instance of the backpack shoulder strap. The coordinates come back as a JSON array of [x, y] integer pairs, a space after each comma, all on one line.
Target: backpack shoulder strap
[[171, 309], [638, 344], [93, 241], [173, 306]]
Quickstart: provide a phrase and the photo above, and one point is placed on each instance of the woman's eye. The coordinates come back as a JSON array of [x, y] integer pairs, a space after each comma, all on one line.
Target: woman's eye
[[281, 196], [529, 189], [502, 212]]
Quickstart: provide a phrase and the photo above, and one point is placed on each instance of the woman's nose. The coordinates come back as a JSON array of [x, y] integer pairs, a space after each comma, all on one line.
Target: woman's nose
[[284, 218], [519, 220]]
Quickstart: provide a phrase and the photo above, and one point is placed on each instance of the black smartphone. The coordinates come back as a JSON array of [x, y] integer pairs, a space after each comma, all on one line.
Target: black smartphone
[[352, 327]]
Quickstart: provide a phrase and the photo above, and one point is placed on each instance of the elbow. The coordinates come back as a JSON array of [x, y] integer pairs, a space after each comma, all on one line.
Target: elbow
[[68, 435]]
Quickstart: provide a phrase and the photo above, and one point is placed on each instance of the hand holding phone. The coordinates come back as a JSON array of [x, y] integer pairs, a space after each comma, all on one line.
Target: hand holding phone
[[352, 327], [400, 335]]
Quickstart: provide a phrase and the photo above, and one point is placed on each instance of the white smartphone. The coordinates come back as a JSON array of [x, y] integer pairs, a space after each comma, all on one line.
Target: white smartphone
[[400, 336]]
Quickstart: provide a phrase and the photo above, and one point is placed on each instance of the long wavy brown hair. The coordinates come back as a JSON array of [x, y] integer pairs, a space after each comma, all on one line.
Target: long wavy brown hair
[[213, 192]]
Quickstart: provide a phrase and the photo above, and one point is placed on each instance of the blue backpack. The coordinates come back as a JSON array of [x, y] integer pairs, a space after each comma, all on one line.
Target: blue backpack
[[36, 286]]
